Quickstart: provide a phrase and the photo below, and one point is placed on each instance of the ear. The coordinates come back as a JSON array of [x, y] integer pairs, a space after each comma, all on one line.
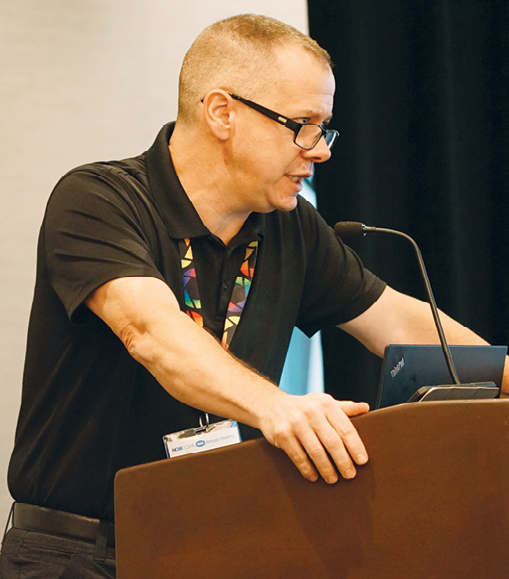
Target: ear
[[219, 112]]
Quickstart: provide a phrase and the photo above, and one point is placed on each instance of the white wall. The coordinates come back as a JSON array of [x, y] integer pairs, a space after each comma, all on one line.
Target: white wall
[[80, 81]]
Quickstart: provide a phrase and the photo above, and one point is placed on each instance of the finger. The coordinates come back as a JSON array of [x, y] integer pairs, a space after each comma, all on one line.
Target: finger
[[298, 456], [350, 439], [316, 448], [353, 408], [333, 436]]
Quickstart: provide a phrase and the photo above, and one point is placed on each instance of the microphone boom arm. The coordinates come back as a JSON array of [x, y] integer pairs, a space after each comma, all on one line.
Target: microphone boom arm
[[429, 291]]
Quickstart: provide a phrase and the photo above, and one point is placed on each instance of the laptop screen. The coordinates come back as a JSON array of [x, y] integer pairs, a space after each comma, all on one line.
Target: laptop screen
[[406, 368]]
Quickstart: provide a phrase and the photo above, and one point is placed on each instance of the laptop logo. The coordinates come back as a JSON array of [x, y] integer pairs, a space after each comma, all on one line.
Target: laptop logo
[[397, 368]]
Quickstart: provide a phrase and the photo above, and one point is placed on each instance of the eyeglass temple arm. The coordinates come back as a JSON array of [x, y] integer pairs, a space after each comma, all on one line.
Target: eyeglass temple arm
[[282, 120]]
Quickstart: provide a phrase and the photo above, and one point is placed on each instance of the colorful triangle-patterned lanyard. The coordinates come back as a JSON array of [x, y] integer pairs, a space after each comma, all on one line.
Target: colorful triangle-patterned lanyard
[[239, 293]]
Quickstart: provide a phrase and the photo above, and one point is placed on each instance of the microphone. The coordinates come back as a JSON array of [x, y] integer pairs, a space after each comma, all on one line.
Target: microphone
[[349, 229]]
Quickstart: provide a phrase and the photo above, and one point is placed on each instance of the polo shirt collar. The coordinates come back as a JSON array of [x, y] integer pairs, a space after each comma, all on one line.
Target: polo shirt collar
[[178, 213]]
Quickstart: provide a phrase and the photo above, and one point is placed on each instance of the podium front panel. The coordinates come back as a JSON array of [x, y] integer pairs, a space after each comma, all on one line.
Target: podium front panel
[[432, 502]]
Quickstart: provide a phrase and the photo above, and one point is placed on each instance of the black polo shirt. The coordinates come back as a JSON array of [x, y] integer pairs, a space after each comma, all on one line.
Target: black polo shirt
[[88, 409]]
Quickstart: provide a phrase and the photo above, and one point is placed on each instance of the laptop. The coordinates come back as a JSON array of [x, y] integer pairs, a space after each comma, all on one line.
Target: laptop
[[406, 369]]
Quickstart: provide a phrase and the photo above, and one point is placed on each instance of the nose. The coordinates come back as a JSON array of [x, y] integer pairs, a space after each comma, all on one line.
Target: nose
[[319, 153]]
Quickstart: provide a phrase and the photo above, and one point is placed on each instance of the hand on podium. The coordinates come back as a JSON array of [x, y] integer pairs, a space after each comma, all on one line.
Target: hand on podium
[[316, 433]]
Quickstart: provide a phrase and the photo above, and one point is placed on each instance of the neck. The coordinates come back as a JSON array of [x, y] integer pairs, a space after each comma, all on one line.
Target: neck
[[204, 177]]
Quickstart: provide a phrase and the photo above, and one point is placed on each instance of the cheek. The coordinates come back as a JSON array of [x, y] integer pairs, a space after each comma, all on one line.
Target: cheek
[[267, 157], [279, 158]]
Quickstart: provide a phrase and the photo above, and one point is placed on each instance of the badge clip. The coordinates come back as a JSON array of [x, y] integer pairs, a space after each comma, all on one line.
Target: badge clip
[[203, 427]]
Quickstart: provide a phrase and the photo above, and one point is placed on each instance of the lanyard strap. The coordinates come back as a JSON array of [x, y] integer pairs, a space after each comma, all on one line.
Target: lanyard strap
[[239, 293]]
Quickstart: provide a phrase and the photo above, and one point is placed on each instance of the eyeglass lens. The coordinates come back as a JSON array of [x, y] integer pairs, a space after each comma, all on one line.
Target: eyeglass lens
[[309, 135]]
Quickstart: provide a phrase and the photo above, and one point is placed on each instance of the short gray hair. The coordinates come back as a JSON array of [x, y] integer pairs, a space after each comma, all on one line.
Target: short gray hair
[[238, 54]]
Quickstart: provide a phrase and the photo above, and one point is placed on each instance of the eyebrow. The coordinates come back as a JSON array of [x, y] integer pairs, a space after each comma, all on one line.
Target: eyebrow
[[310, 113]]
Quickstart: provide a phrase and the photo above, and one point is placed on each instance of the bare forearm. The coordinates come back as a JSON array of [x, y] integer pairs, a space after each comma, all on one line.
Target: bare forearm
[[193, 367], [314, 430], [400, 319], [186, 360]]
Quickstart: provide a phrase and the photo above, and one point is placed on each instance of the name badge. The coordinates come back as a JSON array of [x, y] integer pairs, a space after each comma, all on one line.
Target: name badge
[[206, 437]]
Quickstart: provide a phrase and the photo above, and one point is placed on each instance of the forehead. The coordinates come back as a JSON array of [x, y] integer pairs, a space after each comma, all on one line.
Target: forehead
[[302, 85]]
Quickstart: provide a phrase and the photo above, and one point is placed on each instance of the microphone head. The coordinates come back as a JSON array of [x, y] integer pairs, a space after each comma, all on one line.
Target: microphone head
[[349, 229]]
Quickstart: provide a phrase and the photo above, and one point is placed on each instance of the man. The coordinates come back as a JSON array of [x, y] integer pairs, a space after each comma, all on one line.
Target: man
[[132, 254]]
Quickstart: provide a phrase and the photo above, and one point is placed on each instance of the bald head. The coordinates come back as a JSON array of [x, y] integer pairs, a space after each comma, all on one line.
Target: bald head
[[238, 54]]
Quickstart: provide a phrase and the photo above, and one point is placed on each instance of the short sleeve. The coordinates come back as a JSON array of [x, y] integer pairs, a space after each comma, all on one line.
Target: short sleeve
[[95, 231], [337, 287]]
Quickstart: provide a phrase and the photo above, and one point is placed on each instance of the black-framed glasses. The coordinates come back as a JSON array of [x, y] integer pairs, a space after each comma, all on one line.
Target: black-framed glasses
[[306, 135]]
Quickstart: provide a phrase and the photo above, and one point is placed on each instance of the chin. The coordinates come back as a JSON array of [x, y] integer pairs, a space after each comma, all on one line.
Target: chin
[[283, 202], [284, 207], [289, 204]]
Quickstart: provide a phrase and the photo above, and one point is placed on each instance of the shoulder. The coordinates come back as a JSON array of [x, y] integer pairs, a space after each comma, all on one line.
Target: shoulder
[[114, 182], [113, 173]]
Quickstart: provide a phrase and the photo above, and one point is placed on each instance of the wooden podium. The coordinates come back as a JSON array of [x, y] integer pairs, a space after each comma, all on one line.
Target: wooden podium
[[433, 502]]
